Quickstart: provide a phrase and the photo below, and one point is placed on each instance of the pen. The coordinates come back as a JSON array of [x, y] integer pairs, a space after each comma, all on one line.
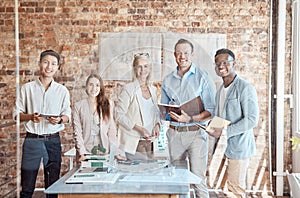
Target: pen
[[172, 101], [84, 175]]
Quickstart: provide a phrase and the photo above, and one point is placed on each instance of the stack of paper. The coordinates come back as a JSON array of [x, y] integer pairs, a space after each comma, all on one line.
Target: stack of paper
[[92, 176], [174, 176], [95, 161]]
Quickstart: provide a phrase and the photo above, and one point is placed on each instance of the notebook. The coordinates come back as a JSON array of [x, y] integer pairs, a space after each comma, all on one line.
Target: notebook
[[191, 107]]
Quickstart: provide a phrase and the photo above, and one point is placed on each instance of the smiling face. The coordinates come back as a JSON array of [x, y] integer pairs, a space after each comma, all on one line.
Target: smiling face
[[183, 55], [48, 66], [142, 69], [93, 87], [224, 65]]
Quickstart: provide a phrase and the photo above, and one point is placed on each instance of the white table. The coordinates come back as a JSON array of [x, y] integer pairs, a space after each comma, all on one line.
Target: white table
[[71, 154], [167, 182]]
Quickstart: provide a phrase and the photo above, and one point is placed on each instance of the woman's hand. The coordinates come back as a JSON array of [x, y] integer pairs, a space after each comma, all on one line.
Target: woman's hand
[[145, 133], [81, 158], [120, 157], [156, 130]]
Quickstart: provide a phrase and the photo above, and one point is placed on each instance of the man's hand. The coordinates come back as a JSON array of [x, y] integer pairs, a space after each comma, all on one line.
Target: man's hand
[[36, 118], [184, 117], [216, 133], [55, 119]]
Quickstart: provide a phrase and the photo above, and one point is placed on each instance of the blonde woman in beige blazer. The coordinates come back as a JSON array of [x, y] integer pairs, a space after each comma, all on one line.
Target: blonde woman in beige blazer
[[137, 113], [93, 121]]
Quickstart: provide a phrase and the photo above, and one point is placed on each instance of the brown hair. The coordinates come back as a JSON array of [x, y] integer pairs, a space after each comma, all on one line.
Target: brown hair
[[102, 99], [184, 41]]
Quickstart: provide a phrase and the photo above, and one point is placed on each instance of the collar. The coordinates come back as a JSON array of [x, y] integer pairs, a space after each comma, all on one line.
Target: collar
[[41, 84], [192, 70]]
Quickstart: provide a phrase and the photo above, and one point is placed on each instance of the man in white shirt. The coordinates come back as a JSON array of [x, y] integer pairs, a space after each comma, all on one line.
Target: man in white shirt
[[44, 106]]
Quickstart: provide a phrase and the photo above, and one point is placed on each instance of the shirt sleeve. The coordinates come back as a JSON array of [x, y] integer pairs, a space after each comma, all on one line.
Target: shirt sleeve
[[208, 95], [20, 103], [66, 106]]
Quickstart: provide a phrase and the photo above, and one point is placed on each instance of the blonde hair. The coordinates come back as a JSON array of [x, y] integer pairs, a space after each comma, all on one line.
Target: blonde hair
[[137, 58]]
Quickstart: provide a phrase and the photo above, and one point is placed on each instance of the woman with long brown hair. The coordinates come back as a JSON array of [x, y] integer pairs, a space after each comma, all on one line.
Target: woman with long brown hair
[[93, 122]]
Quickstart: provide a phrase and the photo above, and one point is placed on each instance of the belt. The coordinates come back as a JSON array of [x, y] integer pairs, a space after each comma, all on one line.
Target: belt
[[36, 136], [185, 128]]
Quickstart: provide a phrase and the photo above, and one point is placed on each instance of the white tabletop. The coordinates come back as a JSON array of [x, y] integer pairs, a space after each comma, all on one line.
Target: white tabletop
[[164, 181]]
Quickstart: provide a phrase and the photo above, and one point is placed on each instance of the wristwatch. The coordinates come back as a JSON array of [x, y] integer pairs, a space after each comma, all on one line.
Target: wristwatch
[[60, 120], [191, 119]]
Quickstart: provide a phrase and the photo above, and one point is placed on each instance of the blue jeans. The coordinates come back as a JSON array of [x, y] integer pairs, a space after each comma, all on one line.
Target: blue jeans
[[34, 150]]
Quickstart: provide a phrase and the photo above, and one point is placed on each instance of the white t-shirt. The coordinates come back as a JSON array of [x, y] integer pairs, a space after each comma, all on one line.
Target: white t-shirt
[[147, 113], [223, 95]]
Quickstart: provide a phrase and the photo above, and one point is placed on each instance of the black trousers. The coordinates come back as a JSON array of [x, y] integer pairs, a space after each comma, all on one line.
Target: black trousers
[[35, 150]]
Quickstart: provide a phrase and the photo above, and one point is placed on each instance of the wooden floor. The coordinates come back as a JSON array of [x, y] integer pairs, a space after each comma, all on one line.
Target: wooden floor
[[40, 194]]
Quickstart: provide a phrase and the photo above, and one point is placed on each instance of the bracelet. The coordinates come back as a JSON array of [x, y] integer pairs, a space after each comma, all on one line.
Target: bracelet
[[191, 119]]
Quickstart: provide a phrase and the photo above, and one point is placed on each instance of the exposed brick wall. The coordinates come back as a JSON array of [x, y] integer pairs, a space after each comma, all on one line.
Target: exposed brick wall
[[72, 27]]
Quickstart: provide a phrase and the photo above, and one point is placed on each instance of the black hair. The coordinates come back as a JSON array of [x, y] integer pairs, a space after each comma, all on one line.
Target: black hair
[[50, 52], [225, 51]]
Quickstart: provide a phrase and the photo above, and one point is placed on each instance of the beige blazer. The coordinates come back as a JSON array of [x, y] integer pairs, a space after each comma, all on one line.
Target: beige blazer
[[128, 113], [82, 123]]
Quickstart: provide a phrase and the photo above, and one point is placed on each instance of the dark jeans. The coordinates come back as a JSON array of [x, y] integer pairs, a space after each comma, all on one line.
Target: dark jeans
[[34, 150]]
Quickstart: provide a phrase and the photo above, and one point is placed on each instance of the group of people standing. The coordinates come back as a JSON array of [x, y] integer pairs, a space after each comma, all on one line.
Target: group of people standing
[[131, 125]]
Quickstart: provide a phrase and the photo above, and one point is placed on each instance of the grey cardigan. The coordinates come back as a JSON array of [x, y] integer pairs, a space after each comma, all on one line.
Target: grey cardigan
[[241, 108]]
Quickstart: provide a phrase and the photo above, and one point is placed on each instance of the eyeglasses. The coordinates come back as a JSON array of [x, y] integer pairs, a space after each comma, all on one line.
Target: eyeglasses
[[141, 54], [223, 63]]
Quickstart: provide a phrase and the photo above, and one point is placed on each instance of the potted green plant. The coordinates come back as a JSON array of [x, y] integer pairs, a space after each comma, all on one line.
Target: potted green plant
[[295, 143]]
